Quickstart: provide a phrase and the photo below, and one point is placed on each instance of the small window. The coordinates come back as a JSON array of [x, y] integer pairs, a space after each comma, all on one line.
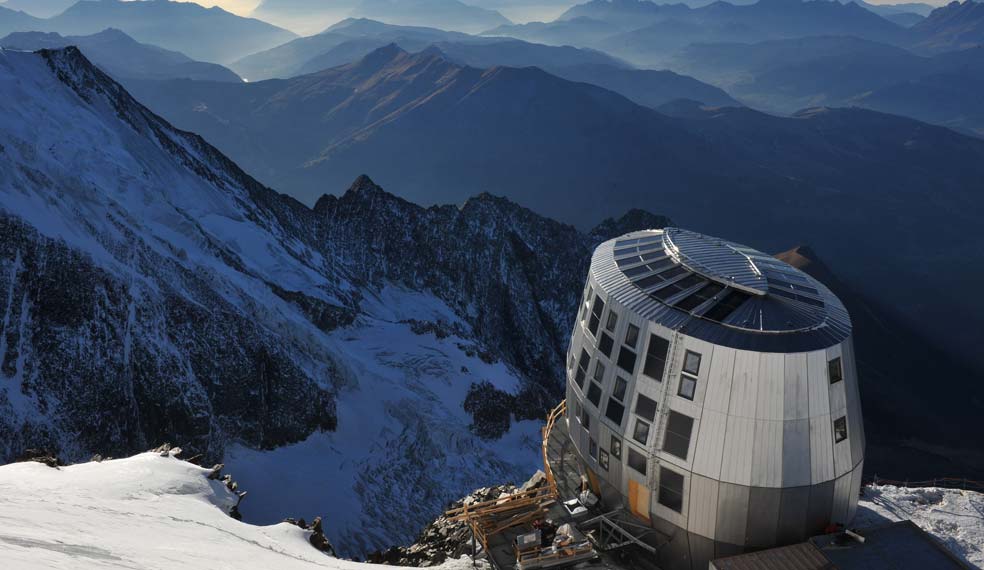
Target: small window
[[626, 360], [616, 447], [677, 438], [688, 386], [641, 433], [612, 321], [603, 459], [619, 390], [615, 411], [606, 344], [637, 461], [585, 419], [596, 310], [582, 368], [835, 370], [670, 489], [632, 336], [656, 357], [645, 407], [599, 372], [578, 409], [691, 363], [840, 429], [593, 449], [594, 394]]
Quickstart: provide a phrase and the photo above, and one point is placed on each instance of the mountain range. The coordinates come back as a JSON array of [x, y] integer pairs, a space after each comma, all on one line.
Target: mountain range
[[955, 26], [123, 57], [39, 8]]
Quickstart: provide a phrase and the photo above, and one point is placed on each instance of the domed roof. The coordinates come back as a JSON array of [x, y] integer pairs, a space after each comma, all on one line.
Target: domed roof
[[720, 291]]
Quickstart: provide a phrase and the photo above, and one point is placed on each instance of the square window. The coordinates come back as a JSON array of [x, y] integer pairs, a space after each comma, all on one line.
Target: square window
[[619, 390], [835, 370], [641, 433], [840, 429], [691, 363], [632, 336], [594, 394], [626, 360], [605, 344], [670, 489], [615, 411], [593, 449], [612, 321], [637, 461], [678, 430], [645, 407], [656, 357], [599, 372], [603, 459], [688, 386], [616, 447]]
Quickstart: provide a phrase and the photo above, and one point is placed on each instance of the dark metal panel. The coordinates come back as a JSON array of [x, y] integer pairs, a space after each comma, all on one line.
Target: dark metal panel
[[763, 516], [818, 511], [732, 513], [793, 508]]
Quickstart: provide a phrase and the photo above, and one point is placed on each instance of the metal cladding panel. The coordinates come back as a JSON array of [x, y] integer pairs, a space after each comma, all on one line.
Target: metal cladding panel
[[736, 465], [796, 453], [709, 448], [816, 370], [854, 417], [744, 386], [818, 511], [763, 517], [719, 377], [732, 513], [796, 393], [821, 450], [856, 477], [702, 515], [793, 507], [840, 509], [701, 551], [767, 454], [706, 352], [771, 380]]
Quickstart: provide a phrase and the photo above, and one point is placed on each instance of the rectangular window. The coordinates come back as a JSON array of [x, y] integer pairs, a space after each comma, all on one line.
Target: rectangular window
[[677, 438], [603, 459], [645, 407], [578, 410], [637, 461], [616, 447], [835, 370], [582, 368], [585, 419], [605, 344], [641, 433], [670, 489], [599, 373], [593, 449], [611, 322], [632, 336], [615, 411], [594, 394], [687, 388], [626, 360], [619, 390], [840, 429], [691, 363], [656, 357], [596, 310]]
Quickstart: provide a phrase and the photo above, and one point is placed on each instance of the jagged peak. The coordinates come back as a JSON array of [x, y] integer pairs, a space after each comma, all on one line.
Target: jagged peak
[[633, 220]]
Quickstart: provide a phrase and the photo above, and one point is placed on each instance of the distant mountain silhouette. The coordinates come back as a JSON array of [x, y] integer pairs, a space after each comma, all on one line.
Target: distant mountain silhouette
[[952, 27], [303, 16], [212, 35], [444, 14], [123, 57], [16, 21], [646, 87], [39, 8]]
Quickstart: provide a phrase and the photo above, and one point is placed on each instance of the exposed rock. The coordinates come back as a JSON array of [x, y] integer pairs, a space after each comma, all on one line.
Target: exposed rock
[[317, 538], [41, 456]]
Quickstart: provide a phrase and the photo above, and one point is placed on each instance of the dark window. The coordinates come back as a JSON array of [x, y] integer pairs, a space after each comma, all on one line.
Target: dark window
[[677, 439], [599, 371], [585, 419], [641, 433], [723, 309], [632, 336], [687, 388], [670, 489], [593, 449], [626, 360], [603, 459], [619, 390], [637, 461], [616, 447], [840, 429], [596, 310], [594, 394], [701, 296], [582, 368], [578, 409], [835, 370], [612, 321], [615, 411], [645, 407], [691, 363], [656, 357], [606, 344]]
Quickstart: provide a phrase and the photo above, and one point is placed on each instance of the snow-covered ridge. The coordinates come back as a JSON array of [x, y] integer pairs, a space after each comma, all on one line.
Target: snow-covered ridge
[[146, 511]]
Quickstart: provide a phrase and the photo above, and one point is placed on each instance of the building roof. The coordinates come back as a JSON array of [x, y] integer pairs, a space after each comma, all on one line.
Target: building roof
[[720, 291], [802, 556]]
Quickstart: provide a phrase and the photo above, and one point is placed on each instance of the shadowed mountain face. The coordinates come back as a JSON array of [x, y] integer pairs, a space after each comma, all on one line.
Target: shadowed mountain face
[[212, 35], [955, 26], [123, 57]]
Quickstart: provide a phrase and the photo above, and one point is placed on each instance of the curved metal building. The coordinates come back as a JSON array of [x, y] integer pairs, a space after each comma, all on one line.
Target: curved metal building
[[712, 392]]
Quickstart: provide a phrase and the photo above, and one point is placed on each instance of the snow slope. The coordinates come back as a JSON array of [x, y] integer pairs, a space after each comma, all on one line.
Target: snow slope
[[954, 517], [147, 512]]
